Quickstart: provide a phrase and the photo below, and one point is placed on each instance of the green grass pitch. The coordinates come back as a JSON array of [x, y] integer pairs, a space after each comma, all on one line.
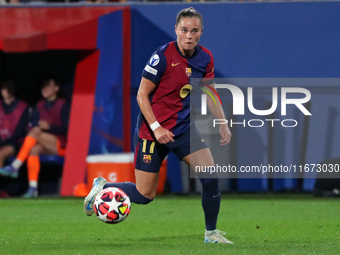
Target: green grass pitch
[[257, 224]]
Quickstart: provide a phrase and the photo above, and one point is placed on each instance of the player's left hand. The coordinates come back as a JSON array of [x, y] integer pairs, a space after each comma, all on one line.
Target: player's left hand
[[44, 125], [225, 134]]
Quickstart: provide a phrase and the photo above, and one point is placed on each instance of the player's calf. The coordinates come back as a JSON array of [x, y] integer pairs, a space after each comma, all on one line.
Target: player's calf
[[131, 190]]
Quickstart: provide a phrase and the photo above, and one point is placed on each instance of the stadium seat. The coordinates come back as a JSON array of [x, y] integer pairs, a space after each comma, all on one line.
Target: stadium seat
[[53, 159], [49, 177]]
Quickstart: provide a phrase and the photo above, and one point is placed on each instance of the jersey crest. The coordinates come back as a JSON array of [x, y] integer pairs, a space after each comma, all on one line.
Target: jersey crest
[[146, 158], [188, 72]]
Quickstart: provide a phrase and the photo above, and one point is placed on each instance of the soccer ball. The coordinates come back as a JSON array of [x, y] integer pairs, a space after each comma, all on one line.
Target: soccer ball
[[112, 205]]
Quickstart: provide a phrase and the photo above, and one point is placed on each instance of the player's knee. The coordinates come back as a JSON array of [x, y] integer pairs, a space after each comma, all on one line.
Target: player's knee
[[209, 183], [146, 200], [148, 197], [35, 132], [145, 197], [36, 150]]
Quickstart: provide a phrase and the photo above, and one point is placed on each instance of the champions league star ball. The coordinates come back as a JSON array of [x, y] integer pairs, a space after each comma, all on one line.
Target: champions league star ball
[[112, 205]]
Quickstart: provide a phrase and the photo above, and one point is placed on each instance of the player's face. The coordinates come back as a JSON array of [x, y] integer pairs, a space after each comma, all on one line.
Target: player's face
[[188, 31], [50, 90], [5, 94]]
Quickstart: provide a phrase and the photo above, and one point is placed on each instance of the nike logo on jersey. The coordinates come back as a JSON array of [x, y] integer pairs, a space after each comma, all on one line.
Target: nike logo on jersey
[[202, 140], [175, 64]]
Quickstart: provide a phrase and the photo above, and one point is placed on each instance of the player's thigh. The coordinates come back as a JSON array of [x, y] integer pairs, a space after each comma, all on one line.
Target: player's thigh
[[202, 158], [146, 183], [49, 142], [149, 156], [35, 132], [37, 149], [5, 152], [192, 148]]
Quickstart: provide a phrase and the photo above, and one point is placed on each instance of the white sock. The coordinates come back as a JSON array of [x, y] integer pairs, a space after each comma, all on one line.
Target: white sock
[[211, 231], [33, 184], [17, 164]]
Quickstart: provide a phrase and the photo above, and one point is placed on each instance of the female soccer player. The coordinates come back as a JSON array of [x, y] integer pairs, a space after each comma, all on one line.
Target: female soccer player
[[164, 123], [48, 135]]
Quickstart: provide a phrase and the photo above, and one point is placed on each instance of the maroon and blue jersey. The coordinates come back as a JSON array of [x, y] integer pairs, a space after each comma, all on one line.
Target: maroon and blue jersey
[[56, 113], [13, 122], [171, 72]]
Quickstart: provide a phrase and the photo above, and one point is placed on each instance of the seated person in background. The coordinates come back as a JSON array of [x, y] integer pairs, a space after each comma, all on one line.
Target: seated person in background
[[13, 126], [47, 136], [13, 121]]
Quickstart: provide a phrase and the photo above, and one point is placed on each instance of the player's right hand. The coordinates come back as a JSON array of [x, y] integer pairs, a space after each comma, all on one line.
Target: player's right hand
[[44, 125], [163, 135]]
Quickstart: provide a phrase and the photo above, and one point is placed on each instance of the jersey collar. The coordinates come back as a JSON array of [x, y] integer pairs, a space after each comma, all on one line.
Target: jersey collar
[[193, 55]]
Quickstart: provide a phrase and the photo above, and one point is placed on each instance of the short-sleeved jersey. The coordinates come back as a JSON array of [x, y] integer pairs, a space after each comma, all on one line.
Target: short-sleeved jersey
[[171, 72], [9, 121]]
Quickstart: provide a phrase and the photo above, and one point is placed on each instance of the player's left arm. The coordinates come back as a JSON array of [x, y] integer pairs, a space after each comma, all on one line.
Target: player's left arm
[[214, 103], [216, 109]]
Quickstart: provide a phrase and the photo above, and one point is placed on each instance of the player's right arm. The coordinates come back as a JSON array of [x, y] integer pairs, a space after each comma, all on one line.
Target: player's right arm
[[146, 87]]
